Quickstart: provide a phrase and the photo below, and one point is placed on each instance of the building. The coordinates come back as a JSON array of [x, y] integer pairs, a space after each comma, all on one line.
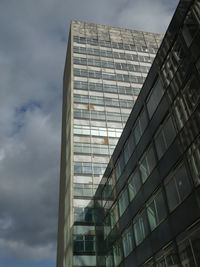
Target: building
[[149, 196], [104, 72]]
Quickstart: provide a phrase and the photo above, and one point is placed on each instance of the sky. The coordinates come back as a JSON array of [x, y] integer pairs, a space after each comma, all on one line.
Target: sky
[[33, 46]]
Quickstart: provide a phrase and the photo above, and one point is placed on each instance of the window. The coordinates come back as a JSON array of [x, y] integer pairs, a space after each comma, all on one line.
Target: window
[[194, 161], [129, 147], [191, 94], [134, 184], [141, 124], [117, 253], [114, 216], [190, 27], [156, 210], [147, 163], [85, 190], [155, 97], [189, 247], [84, 243], [86, 260], [167, 257], [127, 241], [140, 228], [177, 187], [123, 202], [83, 214], [109, 260], [181, 112], [107, 226], [164, 137], [119, 166], [89, 168], [83, 130]]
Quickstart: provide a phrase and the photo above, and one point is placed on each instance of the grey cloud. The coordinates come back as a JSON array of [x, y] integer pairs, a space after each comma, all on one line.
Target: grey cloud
[[32, 54]]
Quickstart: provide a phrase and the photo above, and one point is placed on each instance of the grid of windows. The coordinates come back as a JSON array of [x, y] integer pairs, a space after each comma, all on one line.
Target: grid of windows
[[108, 76], [111, 64], [125, 46], [110, 54], [174, 175], [99, 115], [108, 88], [96, 100]]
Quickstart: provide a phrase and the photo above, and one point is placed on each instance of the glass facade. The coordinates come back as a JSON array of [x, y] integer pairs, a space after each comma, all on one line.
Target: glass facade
[[151, 216], [105, 70]]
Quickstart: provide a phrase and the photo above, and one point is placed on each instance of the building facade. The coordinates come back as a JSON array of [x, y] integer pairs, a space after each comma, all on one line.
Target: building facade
[[149, 196], [104, 72]]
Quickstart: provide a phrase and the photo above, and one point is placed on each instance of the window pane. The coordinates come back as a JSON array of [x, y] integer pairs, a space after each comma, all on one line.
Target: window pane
[[160, 207], [156, 210], [194, 161], [160, 144], [191, 94], [195, 239], [127, 240], [172, 194], [186, 255], [129, 147], [143, 121], [154, 99], [169, 132], [140, 228], [114, 216], [119, 166], [151, 159], [117, 252], [190, 28], [182, 182], [144, 169], [134, 184], [123, 202], [151, 212]]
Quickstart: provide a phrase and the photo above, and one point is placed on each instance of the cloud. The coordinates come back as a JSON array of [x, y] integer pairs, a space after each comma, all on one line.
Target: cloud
[[32, 55]]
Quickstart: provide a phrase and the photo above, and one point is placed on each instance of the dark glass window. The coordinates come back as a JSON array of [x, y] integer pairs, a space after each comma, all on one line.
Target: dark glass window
[[140, 126], [164, 137], [147, 163], [194, 160], [129, 147], [107, 227], [84, 243], [155, 97], [191, 94], [117, 253], [114, 216], [120, 166], [190, 27], [109, 260], [177, 187], [181, 112], [140, 228], [127, 241], [134, 184], [83, 214], [123, 202], [156, 210], [186, 254]]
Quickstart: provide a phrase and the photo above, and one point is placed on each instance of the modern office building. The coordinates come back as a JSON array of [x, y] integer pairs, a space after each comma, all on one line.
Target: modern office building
[[149, 196], [104, 72]]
